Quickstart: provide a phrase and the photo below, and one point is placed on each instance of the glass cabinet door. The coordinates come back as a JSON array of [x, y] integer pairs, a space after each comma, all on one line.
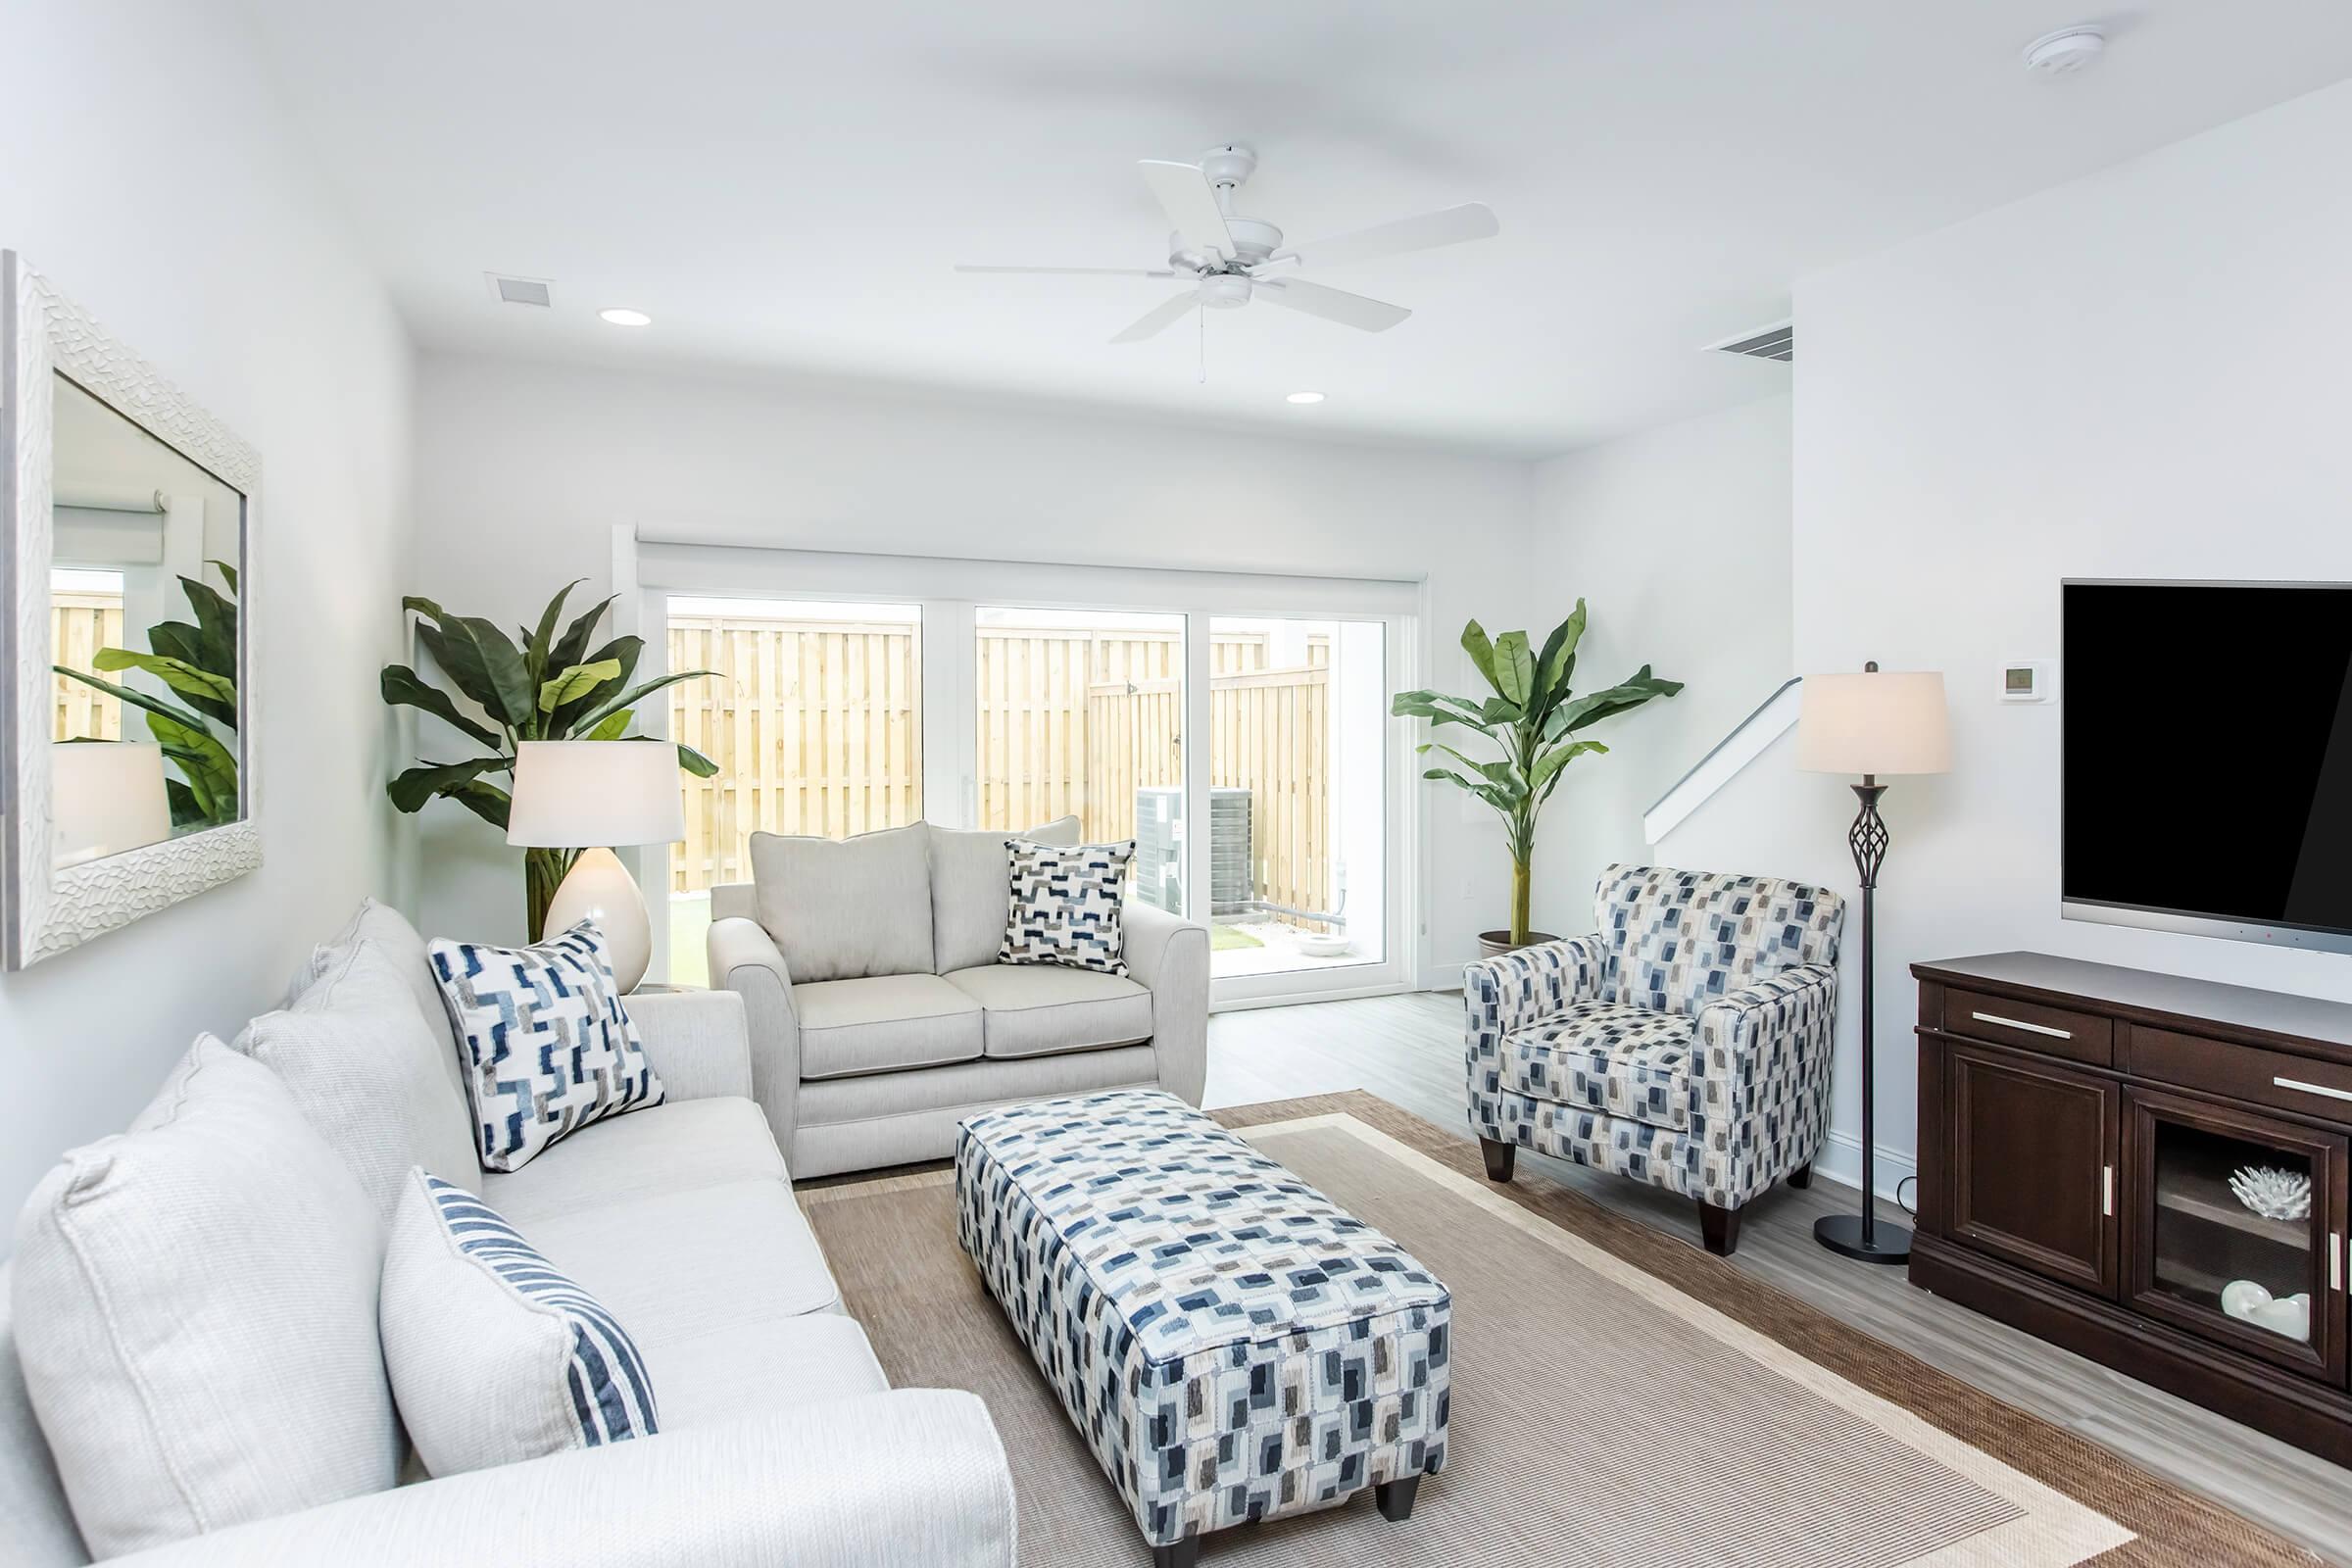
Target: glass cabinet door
[[2238, 1230]]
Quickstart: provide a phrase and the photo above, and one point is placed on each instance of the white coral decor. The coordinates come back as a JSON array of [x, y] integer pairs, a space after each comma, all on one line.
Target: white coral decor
[[2272, 1194]]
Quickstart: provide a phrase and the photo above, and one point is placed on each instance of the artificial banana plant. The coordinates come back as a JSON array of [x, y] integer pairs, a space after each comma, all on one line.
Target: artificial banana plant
[[546, 687], [1535, 719], [198, 664]]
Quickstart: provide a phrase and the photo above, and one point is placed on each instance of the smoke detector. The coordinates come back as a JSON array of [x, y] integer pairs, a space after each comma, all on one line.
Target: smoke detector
[[2066, 51]]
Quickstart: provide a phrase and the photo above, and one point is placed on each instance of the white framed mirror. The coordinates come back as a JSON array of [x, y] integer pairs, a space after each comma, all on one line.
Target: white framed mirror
[[130, 774]]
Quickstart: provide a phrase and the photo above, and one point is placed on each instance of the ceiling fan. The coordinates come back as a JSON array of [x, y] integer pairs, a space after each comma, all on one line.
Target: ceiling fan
[[1232, 260]]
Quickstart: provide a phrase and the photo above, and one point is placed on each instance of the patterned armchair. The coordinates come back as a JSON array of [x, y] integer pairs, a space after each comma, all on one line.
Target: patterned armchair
[[1686, 1043]]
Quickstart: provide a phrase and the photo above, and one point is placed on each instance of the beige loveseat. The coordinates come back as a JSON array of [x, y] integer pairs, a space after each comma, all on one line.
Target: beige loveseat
[[880, 1019], [780, 1441]]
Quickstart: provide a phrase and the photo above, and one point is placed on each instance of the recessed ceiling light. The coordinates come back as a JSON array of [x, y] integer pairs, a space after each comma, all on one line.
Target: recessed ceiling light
[[1304, 397], [620, 316]]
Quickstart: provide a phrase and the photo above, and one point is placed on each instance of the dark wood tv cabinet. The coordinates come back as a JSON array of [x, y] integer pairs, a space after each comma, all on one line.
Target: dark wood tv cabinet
[[2080, 1126]]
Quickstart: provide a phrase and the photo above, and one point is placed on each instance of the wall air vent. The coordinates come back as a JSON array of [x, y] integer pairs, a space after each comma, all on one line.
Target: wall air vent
[[1772, 343], [510, 290]]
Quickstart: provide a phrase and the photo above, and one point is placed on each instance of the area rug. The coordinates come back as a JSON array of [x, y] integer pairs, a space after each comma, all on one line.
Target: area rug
[[1621, 1400]]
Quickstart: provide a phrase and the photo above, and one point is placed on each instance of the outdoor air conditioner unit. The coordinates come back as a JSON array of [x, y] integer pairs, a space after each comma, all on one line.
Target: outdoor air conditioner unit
[[1159, 850]]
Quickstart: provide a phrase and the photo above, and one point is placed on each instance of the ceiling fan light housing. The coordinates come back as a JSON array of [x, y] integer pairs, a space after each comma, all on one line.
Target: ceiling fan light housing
[[1225, 291]]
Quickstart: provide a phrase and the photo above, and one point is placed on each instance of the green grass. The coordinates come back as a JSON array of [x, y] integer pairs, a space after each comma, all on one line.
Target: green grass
[[1230, 939], [689, 927]]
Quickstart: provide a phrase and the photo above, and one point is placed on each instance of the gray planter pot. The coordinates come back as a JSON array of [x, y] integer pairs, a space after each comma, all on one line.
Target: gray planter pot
[[1495, 944]]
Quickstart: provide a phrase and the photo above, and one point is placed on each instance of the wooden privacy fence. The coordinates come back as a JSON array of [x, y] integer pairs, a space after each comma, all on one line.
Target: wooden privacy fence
[[816, 729], [79, 624], [813, 725]]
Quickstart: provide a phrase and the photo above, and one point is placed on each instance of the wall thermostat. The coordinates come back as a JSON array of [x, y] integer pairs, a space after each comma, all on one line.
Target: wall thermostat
[[2026, 680]]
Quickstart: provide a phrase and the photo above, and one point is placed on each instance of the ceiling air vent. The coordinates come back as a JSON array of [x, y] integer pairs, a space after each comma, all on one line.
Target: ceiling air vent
[[510, 290], [1772, 343]]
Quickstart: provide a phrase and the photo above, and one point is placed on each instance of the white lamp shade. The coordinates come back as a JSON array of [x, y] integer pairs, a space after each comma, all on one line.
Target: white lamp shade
[[1873, 721], [106, 796], [576, 795]]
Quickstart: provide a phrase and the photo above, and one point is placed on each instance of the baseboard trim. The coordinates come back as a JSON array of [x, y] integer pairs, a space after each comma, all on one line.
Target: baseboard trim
[[1841, 1160]]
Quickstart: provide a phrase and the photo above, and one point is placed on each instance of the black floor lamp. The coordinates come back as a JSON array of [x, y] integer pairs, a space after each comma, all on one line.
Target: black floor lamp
[[1871, 723]]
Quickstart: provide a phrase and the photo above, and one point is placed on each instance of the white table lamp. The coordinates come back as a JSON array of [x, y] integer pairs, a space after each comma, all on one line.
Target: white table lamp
[[104, 797], [590, 796], [1873, 722]]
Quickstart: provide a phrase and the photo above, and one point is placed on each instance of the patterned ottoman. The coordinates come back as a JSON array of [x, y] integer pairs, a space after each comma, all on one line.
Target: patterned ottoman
[[1232, 1344]]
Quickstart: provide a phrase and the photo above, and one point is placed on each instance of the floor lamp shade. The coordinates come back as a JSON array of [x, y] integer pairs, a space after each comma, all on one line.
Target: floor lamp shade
[[1864, 725], [589, 796], [1875, 721]]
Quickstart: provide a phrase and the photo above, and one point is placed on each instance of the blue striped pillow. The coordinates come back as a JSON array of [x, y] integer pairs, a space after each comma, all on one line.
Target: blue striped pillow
[[612, 1398]]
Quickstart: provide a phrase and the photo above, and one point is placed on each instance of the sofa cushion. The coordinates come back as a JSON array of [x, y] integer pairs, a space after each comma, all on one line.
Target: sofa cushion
[[496, 1356], [365, 1069], [1031, 1009], [1627, 1062], [1065, 903], [846, 910], [652, 1260], [391, 930], [728, 1374], [195, 1314], [1679, 940], [549, 1046], [672, 1147], [884, 1024], [971, 885]]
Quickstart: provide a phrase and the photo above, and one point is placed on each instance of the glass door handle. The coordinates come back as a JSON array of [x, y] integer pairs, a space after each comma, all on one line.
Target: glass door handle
[[2107, 1191]]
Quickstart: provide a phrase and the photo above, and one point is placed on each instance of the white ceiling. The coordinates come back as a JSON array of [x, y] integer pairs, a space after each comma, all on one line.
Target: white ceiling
[[785, 186]]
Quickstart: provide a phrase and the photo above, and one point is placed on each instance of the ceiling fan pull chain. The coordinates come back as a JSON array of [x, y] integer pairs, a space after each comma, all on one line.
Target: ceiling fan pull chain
[[1202, 310]]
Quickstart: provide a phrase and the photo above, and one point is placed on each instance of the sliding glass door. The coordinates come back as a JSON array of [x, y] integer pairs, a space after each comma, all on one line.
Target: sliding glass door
[[813, 715], [1245, 748], [1298, 806], [1080, 713]]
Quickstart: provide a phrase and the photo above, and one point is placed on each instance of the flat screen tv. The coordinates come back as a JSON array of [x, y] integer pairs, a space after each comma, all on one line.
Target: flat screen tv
[[2207, 759]]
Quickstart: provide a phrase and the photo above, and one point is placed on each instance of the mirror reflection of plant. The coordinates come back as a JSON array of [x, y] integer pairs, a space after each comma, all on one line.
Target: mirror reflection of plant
[[544, 688], [199, 664], [1532, 717]]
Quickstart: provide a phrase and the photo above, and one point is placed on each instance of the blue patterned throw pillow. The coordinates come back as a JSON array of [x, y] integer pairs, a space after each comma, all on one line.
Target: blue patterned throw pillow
[[496, 1356], [1066, 905], [546, 1046]]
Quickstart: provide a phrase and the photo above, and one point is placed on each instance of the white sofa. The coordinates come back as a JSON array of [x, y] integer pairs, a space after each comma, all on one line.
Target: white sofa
[[781, 1440], [880, 1020]]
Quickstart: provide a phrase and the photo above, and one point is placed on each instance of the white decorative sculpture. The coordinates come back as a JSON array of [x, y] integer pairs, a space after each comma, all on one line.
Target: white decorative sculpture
[[2287, 1315], [2272, 1194]]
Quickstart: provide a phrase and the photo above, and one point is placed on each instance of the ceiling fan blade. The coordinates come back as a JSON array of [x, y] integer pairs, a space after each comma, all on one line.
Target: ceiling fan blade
[[1076, 271], [1159, 318], [1192, 206], [1426, 231], [1332, 304]]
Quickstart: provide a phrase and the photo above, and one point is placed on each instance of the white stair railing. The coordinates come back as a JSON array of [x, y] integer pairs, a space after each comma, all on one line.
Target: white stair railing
[[1745, 743]]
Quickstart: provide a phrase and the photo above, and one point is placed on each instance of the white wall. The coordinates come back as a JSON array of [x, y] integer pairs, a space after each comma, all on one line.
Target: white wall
[[1679, 539], [2138, 375], [524, 470], [149, 177]]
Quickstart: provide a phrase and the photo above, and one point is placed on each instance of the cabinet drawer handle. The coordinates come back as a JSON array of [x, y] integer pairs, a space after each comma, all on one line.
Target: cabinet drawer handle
[[2313, 1089], [2107, 1191], [2033, 1028], [2335, 1260]]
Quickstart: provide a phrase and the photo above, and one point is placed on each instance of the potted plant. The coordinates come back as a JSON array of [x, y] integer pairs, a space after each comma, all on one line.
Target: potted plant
[[546, 687], [198, 664], [1534, 718]]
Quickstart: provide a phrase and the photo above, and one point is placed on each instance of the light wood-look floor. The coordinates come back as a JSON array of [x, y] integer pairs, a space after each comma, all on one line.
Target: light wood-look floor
[[1409, 1050]]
